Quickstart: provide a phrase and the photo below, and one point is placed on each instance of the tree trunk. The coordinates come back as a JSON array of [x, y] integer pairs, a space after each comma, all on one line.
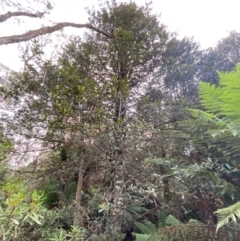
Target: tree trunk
[[78, 219], [118, 196], [118, 168]]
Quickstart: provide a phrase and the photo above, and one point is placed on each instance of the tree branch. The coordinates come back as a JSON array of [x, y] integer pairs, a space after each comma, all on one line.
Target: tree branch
[[45, 30], [8, 15]]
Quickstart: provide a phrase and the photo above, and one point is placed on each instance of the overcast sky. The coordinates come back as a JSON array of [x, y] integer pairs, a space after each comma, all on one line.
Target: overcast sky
[[206, 20]]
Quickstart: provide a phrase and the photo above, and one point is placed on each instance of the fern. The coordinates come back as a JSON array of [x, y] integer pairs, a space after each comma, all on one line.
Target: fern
[[171, 220], [151, 226], [194, 230], [146, 227], [195, 221], [210, 97], [136, 209], [141, 237], [228, 214], [223, 100], [162, 220]]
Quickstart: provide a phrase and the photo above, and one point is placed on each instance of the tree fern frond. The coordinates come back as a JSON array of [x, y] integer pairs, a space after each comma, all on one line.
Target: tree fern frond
[[162, 220], [171, 220], [195, 221], [151, 226], [224, 99], [136, 209], [141, 237], [229, 78], [195, 113], [146, 227], [210, 97], [228, 214]]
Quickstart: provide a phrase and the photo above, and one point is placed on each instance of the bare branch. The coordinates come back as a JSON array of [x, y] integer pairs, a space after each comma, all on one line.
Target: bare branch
[[45, 30], [8, 15]]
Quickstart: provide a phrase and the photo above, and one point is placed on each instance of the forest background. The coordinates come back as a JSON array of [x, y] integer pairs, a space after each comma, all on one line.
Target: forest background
[[116, 136]]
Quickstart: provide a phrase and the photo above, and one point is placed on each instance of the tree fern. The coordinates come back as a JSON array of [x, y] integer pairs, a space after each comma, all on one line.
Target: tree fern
[[193, 230], [178, 231], [186, 232], [223, 102], [218, 126]]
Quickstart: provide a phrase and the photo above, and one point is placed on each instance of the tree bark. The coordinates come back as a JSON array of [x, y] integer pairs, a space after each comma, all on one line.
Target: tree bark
[[118, 195], [8, 15], [119, 177], [46, 30], [78, 220]]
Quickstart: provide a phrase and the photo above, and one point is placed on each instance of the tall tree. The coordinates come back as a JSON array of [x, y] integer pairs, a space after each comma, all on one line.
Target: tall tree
[[125, 61], [223, 57], [180, 73], [174, 86], [94, 76]]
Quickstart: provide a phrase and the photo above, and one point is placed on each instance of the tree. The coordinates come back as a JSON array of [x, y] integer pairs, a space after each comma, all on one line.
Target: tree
[[125, 62], [200, 155], [109, 163], [23, 215], [180, 73], [223, 57], [87, 95], [20, 11], [174, 85]]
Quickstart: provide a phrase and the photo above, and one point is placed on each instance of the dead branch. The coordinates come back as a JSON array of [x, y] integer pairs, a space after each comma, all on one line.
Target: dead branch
[[46, 30], [8, 15]]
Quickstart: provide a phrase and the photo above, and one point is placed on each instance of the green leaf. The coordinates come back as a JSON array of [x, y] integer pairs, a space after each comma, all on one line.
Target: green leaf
[[35, 218], [141, 237], [171, 220], [228, 214]]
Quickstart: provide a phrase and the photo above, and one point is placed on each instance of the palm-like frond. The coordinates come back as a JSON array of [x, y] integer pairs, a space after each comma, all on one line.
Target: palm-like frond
[[228, 214], [210, 97], [141, 237], [171, 220], [146, 227], [223, 100], [222, 108], [162, 220], [218, 126]]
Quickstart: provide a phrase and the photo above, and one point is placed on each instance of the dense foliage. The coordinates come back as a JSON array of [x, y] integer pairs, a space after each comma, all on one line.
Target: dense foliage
[[118, 139]]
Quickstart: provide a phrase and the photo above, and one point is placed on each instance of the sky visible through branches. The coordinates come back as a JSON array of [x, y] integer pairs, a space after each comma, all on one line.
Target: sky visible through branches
[[206, 21]]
